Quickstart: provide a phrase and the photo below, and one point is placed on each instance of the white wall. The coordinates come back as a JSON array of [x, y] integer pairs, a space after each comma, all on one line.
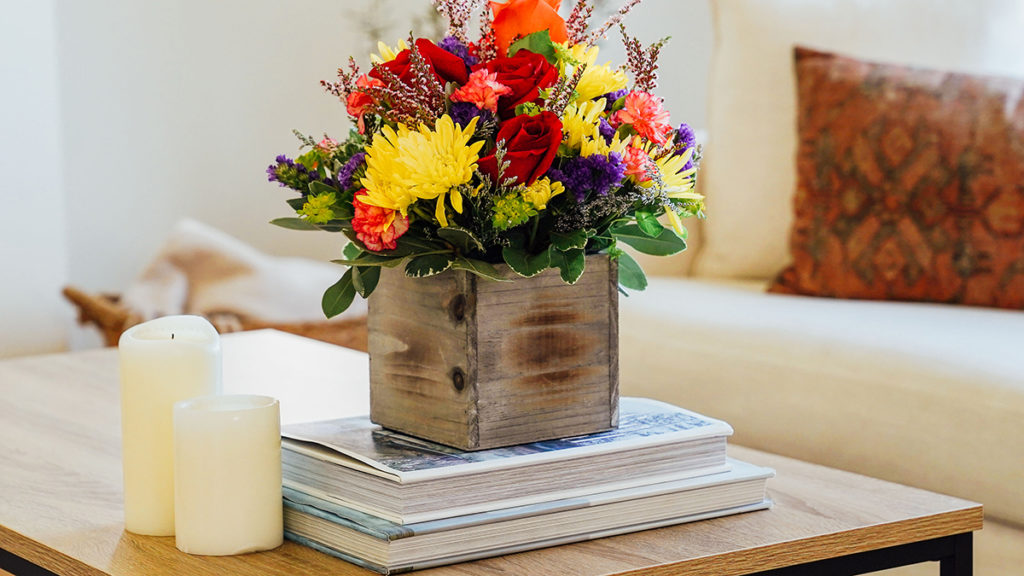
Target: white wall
[[174, 109], [32, 218]]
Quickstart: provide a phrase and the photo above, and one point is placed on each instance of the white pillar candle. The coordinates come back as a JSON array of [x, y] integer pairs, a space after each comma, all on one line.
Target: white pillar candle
[[163, 361], [227, 475]]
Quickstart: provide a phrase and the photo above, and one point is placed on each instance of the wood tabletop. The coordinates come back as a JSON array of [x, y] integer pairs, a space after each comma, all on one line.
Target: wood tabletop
[[60, 485]]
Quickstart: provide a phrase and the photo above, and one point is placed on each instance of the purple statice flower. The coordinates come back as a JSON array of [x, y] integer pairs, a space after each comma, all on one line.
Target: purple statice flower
[[452, 45], [685, 139], [290, 174], [611, 97], [588, 175], [344, 176], [462, 113], [607, 130]]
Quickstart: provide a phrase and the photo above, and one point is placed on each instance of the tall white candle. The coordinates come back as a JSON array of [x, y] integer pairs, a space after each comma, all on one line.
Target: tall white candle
[[227, 467], [163, 361]]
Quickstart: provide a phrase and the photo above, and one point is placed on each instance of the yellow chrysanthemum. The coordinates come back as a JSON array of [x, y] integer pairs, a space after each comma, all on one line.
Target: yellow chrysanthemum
[[387, 53], [404, 166], [596, 80], [541, 192], [581, 121], [678, 184]]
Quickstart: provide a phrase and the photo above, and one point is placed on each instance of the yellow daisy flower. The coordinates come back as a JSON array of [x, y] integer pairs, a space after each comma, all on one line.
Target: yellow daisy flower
[[581, 121], [596, 80], [387, 53], [541, 192]]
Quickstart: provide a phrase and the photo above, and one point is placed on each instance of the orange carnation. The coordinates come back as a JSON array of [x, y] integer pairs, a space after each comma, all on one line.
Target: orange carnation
[[517, 18], [377, 228]]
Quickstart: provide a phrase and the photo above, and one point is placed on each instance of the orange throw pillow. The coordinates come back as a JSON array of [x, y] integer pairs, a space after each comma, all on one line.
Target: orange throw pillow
[[910, 184]]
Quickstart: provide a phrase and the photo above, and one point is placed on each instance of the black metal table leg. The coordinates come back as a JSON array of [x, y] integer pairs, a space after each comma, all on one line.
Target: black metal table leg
[[961, 563]]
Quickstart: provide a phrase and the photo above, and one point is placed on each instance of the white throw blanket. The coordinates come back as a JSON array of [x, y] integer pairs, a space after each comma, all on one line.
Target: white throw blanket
[[201, 270]]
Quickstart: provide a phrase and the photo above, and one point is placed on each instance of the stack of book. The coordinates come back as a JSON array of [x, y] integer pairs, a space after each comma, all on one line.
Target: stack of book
[[393, 503]]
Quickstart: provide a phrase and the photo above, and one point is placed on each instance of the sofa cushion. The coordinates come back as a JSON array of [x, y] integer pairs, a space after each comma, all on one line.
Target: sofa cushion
[[923, 394], [749, 167], [910, 184]]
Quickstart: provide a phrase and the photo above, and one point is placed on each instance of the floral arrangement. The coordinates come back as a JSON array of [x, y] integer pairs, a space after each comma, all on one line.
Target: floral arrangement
[[514, 148]]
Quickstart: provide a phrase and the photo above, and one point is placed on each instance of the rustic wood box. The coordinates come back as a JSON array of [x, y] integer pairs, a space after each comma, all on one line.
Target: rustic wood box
[[478, 364]]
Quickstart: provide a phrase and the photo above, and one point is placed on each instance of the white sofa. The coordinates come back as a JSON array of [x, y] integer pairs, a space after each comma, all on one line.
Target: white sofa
[[922, 394]]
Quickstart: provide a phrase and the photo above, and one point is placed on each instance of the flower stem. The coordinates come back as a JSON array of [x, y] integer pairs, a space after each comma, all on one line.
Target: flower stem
[[533, 232]]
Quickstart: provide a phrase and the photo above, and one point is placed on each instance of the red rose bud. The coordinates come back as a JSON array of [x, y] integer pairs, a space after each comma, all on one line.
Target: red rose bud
[[530, 146], [526, 74], [447, 67]]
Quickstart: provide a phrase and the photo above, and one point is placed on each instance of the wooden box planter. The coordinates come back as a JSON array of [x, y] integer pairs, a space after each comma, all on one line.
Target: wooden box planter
[[478, 364]]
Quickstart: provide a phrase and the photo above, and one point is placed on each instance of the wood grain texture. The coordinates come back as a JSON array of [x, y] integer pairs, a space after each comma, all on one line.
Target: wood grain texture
[[478, 364], [60, 497]]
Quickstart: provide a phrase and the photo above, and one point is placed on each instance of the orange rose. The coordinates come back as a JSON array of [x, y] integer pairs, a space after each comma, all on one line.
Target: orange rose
[[517, 18]]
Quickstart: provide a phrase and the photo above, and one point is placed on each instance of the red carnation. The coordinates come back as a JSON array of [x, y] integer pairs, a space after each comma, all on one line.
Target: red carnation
[[447, 67], [377, 228], [530, 146], [526, 74]]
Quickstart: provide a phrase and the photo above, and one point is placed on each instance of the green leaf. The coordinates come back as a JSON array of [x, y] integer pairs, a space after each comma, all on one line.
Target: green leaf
[[412, 245], [480, 268], [339, 296], [351, 251], [462, 239], [569, 263], [297, 203], [366, 259], [523, 263], [631, 275], [648, 223], [539, 43], [428, 265], [664, 244], [317, 188], [365, 278], [574, 240], [293, 224]]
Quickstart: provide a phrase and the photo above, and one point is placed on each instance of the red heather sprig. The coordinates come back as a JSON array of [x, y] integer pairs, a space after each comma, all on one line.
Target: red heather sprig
[[602, 32], [347, 83], [458, 13], [487, 48], [421, 101], [641, 62], [576, 25], [562, 91]]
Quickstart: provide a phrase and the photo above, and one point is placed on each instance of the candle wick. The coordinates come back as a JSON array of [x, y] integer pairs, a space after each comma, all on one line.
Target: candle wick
[[172, 335]]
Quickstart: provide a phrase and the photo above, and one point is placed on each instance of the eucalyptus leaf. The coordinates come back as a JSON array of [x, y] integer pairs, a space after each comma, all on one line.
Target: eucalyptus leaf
[[577, 239], [365, 278], [480, 268], [664, 244], [351, 251], [648, 223], [293, 224], [570, 263], [523, 263], [428, 265], [339, 296], [631, 275], [462, 239]]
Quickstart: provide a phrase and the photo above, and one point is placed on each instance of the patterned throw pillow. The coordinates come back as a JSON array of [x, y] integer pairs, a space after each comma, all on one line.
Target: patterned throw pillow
[[910, 184]]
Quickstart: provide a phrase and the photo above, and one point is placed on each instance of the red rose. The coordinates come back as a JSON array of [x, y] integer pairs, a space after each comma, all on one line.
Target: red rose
[[447, 67], [526, 74], [530, 146]]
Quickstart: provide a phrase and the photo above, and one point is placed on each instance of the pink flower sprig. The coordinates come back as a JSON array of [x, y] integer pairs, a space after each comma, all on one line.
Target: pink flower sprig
[[347, 81], [458, 13], [642, 62], [576, 25], [615, 19]]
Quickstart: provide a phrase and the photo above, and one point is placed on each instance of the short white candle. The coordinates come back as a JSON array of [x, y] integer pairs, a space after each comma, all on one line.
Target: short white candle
[[163, 361], [227, 466]]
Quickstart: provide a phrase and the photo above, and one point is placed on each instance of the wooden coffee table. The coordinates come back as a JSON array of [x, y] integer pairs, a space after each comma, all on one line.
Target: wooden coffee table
[[61, 510]]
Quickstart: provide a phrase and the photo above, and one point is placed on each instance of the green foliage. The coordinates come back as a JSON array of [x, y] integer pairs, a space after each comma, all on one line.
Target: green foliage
[[570, 263], [631, 275], [339, 296], [538, 43], [428, 265], [293, 224], [523, 263], [664, 244]]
